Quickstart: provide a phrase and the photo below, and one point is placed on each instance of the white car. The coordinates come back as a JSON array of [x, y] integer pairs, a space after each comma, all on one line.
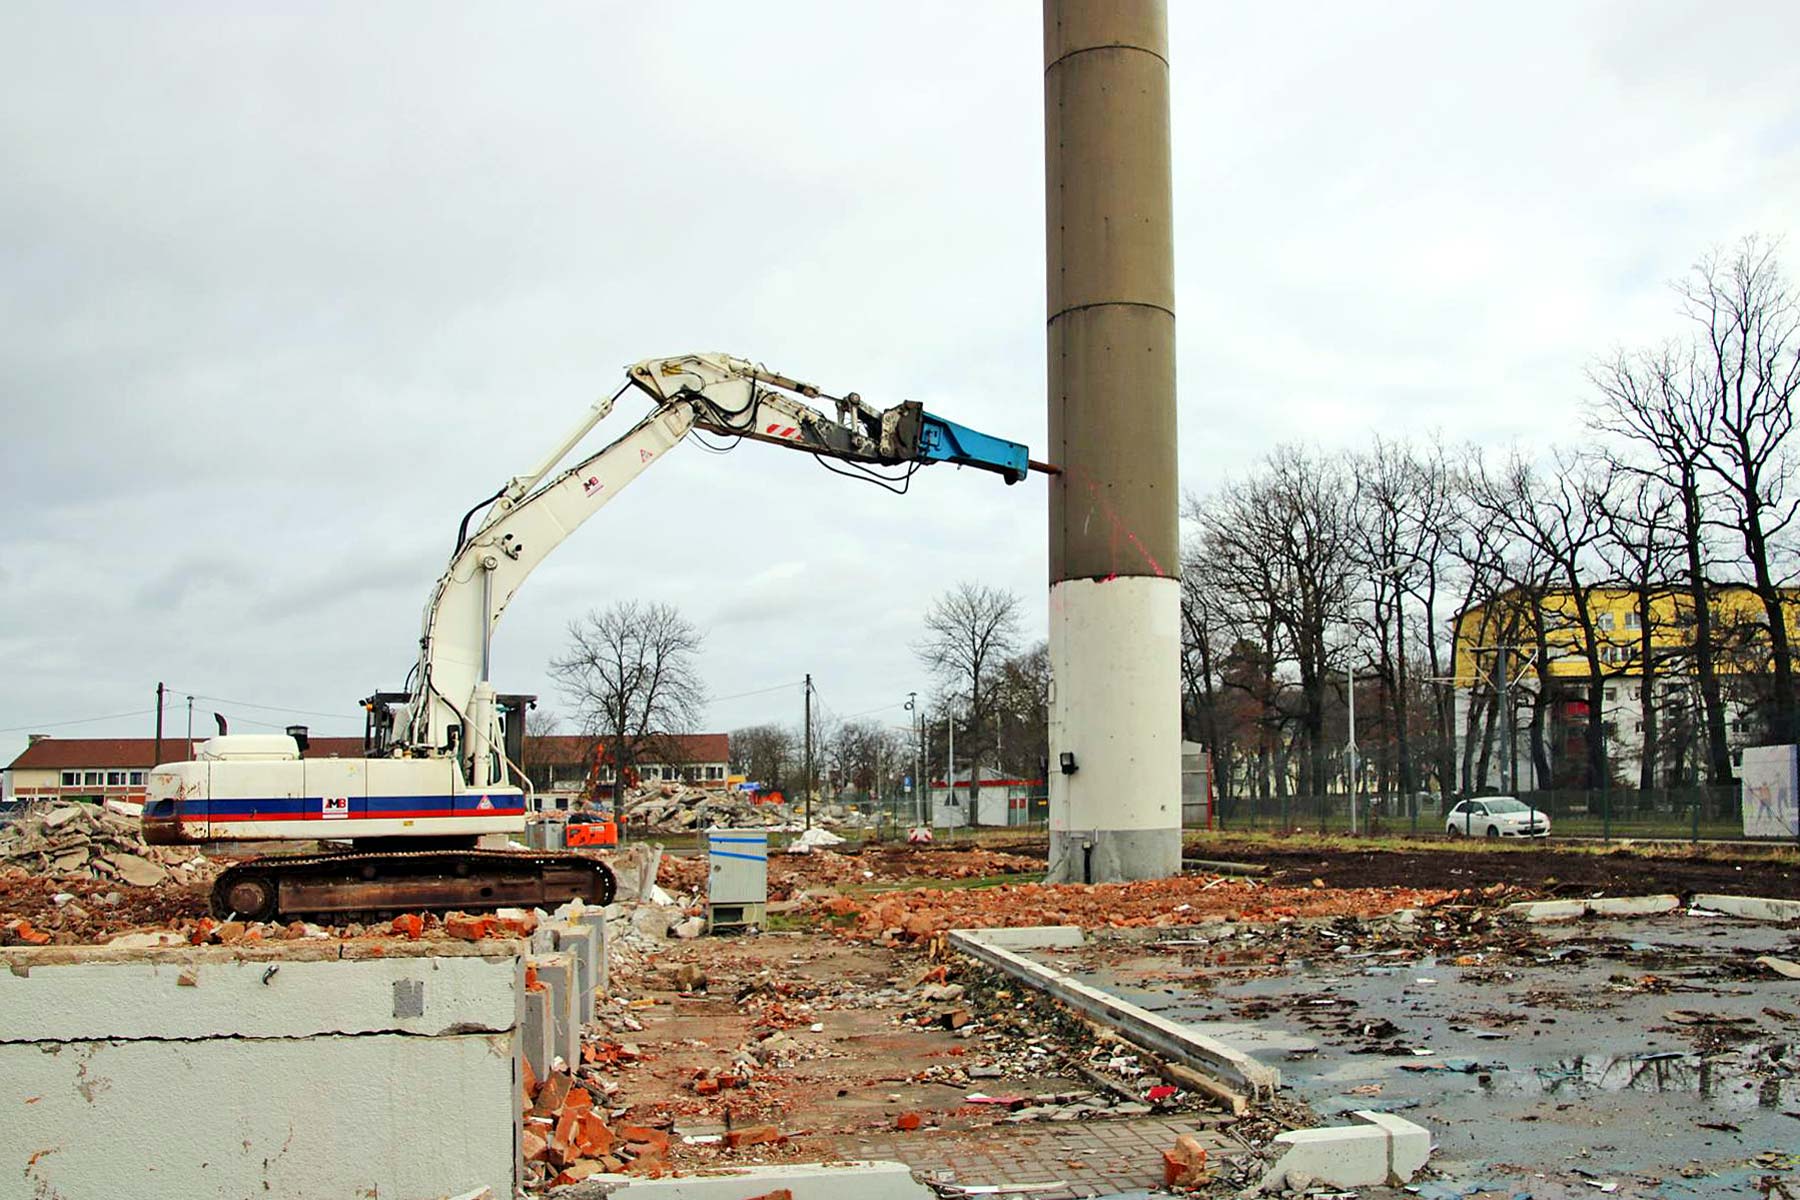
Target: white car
[[1496, 817]]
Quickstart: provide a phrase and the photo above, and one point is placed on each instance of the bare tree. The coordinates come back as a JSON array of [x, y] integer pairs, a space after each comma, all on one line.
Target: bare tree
[[766, 754], [1556, 520], [1283, 538], [969, 631], [630, 672], [542, 722], [1749, 336], [1021, 693], [1654, 402], [855, 752], [1642, 549]]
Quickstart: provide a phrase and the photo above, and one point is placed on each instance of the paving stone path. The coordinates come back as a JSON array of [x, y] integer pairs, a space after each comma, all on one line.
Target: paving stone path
[[1091, 1158]]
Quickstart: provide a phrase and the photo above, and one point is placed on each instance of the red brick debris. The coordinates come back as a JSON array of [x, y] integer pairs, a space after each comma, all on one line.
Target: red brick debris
[[918, 914], [791, 873]]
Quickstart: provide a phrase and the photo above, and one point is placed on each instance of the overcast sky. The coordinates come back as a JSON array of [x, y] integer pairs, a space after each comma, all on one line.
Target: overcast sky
[[285, 289]]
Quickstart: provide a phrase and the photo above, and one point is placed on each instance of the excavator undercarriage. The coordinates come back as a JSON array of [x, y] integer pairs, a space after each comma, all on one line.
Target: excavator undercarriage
[[371, 883]]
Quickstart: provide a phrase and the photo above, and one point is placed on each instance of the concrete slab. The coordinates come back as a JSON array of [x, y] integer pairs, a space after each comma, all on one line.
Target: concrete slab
[[210, 1072], [806, 1181], [1751, 908], [1172, 1039], [229, 991]]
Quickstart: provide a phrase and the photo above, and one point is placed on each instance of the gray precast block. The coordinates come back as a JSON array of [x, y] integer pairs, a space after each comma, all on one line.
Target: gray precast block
[[537, 1032], [582, 944], [557, 973]]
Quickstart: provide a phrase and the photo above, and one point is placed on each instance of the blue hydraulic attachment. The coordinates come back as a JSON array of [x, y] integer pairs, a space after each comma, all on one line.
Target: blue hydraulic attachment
[[946, 441]]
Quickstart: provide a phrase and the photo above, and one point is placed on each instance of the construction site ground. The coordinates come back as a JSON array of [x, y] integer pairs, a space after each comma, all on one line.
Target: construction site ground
[[1654, 1055]]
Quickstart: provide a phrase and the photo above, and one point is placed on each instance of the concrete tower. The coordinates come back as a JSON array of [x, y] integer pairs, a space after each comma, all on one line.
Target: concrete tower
[[1115, 726]]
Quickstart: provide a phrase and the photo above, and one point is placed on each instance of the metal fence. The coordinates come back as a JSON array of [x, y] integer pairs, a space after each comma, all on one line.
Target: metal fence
[[1686, 814]]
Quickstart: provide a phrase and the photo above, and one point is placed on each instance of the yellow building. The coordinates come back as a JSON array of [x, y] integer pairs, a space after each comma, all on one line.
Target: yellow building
[[1504, 637], [1739, 622]]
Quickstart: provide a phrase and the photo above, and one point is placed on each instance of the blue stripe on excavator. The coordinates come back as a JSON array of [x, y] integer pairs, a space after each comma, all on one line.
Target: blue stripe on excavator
[[946, 441]]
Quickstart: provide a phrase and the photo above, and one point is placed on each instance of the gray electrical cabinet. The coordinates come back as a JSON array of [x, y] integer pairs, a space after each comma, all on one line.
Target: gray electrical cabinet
[[737, 882]]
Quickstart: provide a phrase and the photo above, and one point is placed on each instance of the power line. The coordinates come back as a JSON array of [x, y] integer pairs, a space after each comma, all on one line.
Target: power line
[[302, 712], [35, 726], [780, 687]]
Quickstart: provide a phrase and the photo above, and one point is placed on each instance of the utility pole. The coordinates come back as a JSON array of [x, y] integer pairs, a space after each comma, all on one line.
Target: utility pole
[[912, 711], [1350, 750], [190, 732], [950, 754], [809, 752], [1508, 767], [159, 715]]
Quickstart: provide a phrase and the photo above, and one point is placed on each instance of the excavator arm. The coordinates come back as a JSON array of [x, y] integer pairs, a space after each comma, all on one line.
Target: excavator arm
[[451, 702]]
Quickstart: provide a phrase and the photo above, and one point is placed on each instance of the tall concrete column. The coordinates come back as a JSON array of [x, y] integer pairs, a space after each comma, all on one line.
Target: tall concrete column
[[1114, 553]]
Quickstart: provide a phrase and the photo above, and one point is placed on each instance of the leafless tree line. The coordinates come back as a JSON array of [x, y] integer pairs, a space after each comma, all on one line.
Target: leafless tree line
[[1314, 568]]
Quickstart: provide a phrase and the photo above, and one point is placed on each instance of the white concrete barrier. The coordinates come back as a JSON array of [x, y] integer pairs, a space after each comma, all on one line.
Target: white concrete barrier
[[1383, 1150], [1539, 911], [286, 1070], [1751, 908], [1173, 1040]]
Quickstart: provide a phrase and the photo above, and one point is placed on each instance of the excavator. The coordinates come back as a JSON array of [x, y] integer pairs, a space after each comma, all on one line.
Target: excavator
[[435, 778]]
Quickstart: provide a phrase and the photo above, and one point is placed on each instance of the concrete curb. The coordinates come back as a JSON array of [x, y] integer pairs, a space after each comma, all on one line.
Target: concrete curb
[[807, 1181], [1168, 1038], [1539, 911], [1749, 908]]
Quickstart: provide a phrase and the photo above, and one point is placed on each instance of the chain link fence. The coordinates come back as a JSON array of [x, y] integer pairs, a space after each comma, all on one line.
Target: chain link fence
[[1684, 814]]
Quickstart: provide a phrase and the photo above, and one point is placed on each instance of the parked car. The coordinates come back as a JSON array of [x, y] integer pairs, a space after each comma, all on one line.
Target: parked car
[[1495, 817]]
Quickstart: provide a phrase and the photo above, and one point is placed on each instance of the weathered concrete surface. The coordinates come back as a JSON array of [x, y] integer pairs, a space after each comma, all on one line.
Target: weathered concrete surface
[[1171, 1039], [227, 1072], [1035, 937], [1751, 908], [806, 1181]]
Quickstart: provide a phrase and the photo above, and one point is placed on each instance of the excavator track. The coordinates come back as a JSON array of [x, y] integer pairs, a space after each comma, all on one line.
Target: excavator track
[[279, 887]]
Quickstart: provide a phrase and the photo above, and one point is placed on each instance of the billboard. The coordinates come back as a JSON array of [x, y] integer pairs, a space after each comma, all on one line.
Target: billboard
[[1771, 799]]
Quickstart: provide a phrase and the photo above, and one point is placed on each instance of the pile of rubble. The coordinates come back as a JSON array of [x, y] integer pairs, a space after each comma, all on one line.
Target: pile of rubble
[[674, 808], [74, 841]]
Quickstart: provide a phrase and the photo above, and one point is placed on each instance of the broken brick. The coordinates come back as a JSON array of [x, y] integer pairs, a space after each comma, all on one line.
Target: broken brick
[[592, 1135], [468, 928], [656, 1141], [550, 1097], [410, 925], [1185, 1165], [908, 1121], [533, 1147], [753, 1135]]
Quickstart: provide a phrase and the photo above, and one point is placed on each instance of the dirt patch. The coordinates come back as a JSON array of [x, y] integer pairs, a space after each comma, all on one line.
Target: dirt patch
[[1542, 870], [919, 913]]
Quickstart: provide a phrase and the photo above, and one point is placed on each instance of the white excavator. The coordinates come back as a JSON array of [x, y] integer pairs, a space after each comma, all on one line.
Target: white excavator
[[435, 776]]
